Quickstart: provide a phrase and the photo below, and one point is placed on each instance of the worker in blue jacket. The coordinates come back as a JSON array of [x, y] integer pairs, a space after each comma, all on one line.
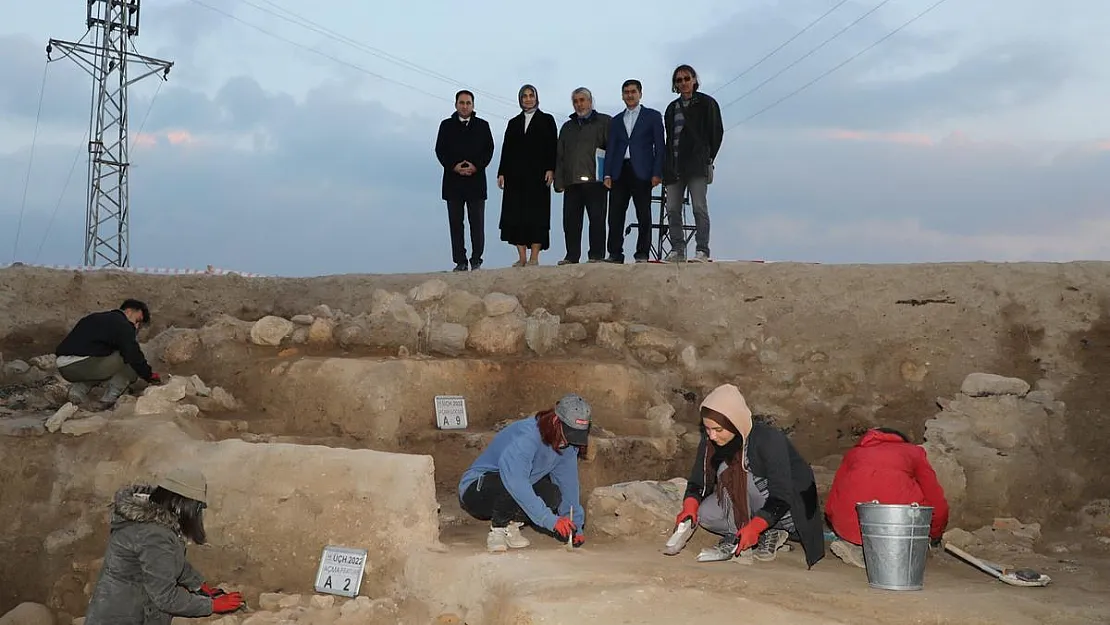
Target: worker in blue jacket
[[529, 472]]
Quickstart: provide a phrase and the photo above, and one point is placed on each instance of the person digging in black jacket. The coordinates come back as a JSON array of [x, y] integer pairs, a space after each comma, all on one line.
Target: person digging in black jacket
[[104, 346], [145, 578]]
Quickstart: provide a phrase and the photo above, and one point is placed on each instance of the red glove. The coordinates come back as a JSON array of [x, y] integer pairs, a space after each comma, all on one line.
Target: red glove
[[689, 511], [227, 603], [209, 591], [748, 535], [564, 527], [579, 539], [155, 378]]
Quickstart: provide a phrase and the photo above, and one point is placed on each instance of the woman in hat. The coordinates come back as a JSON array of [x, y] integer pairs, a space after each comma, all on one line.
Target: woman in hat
[[750, 485], [529, 472], [145, 579]]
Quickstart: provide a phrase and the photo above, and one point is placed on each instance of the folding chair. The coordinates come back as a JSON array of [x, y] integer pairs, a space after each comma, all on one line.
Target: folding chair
[[662, 246]]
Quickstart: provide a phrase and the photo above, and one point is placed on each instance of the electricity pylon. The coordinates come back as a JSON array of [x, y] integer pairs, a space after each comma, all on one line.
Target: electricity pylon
[[113, 24]]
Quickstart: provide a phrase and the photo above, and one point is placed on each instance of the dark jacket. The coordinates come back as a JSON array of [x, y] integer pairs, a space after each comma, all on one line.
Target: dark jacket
[[702, 133], [102, 334], [526, 156], [883, 467], [579, 140], [145, 579], [646, 146], [790, 484], [458, 142]]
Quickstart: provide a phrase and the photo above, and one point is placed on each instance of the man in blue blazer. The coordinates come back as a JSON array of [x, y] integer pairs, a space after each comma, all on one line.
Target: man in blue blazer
[[633, 166]]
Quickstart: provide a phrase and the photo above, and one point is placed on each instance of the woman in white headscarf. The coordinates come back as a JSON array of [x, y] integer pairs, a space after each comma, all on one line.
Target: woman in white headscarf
[[750, 485], [525, 174]]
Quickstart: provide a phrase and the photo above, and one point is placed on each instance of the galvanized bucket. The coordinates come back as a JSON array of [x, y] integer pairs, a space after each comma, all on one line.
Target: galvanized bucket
[[895, 544]]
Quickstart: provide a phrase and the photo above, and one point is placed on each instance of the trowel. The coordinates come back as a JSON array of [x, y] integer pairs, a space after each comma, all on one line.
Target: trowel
[[1007, 575]]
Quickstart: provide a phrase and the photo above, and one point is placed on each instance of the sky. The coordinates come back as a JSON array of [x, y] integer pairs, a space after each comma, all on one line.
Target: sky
[[299, 143]]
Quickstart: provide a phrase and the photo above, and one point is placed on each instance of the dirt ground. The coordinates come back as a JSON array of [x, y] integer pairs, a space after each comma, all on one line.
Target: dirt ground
[[621, 582]]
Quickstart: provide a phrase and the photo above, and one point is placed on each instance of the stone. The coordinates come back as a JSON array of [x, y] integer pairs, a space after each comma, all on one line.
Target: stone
[[54, 423], [1030, 531], [224, 399], [81, 427], [960, 538], [640, 336], [989, 384], [195, 387], [689, 358], [1045, 398], [448, 339], [181, 347], [224, 329], [498, 304], [60, 539], [271, 330], [46, 362], [462, 307], [28, 613], [22, 427], [501, 335], [572, 332], [174, 389], [270, 601], [661, 420], [16, 367], [394, 325], [651, 356], [321, 602], [642, 510], [290, 601], [611, 336], [590, 314], [541, 331], [299, 336], [321, 332], [430, 291], [350, 333], [1095, 516], [303, 320], [323, 311]]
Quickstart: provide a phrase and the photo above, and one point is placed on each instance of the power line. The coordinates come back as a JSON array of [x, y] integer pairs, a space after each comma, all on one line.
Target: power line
[[30, 163], [835, 68], [145, 116], [62, 195], [316, 27], [325, 54], [808, 54], [783, 45]]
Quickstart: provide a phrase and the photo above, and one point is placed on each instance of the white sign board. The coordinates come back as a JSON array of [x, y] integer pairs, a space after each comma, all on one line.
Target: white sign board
[[451, 412], [340, 571]]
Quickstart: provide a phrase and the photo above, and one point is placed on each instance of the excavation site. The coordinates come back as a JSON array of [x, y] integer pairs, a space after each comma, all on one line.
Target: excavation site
[[310, 406]]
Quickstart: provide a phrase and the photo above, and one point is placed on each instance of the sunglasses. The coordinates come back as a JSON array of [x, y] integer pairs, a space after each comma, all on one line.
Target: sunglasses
[[684, 79]]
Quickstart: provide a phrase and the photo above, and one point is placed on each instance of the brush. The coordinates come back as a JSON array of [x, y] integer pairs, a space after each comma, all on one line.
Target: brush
[[570, 536]]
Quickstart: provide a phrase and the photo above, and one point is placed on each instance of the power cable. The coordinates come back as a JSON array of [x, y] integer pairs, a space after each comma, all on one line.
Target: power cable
[[62, 195], [147, 115], [809, 54], [30, 163], [326, 55], [784, 44], [837, 67], [316, 27]]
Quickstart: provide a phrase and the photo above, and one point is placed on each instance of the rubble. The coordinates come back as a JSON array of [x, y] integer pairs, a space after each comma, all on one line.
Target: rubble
[[642, 509]]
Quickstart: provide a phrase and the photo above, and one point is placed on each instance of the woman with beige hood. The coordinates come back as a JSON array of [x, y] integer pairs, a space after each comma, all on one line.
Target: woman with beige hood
[[750, 485]]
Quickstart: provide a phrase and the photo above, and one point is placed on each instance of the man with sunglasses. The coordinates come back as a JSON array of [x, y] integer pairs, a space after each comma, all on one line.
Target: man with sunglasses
[[695, 131], [104, 346]]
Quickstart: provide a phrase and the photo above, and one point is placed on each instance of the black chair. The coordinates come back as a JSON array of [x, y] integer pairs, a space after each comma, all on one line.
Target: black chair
[[662, 247]]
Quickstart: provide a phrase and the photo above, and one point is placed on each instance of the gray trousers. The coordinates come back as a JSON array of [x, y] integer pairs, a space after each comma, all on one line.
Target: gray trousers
[[96, 369], [676, 193], [717, 518]]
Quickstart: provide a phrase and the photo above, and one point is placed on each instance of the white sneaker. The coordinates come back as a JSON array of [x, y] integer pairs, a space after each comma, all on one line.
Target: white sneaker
[[675, 257], [497, 541], [515, 539], [701, 257]]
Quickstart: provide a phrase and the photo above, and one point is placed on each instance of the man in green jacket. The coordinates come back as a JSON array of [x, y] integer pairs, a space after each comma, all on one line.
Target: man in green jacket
[[576, 177]]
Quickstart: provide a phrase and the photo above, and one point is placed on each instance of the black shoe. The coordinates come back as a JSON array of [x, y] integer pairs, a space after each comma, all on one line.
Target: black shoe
[[475, 265], [614, 260], [567, 261], [460, 267]]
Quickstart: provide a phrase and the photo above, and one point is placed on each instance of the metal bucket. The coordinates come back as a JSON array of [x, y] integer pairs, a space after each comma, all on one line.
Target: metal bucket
[[895, 544]]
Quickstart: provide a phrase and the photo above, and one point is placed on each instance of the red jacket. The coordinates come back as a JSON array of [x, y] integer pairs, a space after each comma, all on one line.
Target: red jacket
[[882, 466]]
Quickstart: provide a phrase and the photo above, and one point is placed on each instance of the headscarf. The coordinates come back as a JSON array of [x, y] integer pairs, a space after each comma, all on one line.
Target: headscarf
[[726, 401], [520, 98]]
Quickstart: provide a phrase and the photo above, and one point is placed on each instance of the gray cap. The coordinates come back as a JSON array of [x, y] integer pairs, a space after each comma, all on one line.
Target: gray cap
[[187, 483], [574, 412]]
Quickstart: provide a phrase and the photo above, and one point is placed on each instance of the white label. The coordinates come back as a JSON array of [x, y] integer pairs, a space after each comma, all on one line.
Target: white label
[[341, 570], [451, 412]]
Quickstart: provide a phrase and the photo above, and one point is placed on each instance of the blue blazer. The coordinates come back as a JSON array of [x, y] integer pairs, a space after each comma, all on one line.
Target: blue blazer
[[647, 148]]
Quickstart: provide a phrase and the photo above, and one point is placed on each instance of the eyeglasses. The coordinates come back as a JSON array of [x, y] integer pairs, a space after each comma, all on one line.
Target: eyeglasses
[[684, 79]]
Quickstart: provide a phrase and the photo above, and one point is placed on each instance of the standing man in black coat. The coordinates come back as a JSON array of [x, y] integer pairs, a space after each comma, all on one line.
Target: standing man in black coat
[[464, 147]]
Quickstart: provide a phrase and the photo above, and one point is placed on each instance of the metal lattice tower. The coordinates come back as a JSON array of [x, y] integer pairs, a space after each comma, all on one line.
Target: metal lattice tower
[[113, 24]]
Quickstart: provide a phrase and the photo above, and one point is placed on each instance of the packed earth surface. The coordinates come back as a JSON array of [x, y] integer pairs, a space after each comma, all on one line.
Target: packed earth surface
[[310, 406]]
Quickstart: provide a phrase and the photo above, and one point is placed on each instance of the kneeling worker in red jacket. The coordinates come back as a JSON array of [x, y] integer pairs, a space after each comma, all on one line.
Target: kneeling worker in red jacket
[[883, 466]]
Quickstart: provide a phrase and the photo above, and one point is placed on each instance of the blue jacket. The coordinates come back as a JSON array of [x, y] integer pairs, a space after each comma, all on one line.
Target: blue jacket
[[646, 146], [522, 459]]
